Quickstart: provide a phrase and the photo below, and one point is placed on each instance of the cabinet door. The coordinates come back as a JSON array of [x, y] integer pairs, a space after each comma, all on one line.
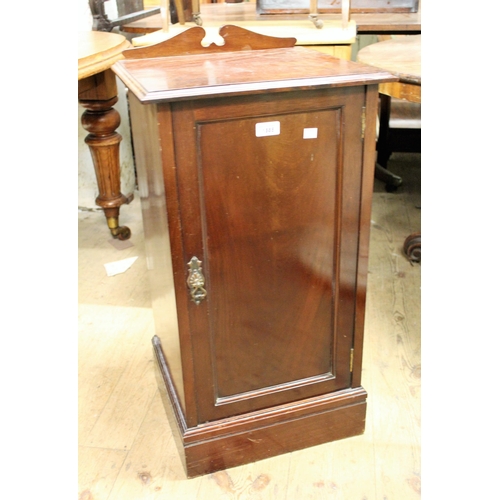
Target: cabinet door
[[269, 193]]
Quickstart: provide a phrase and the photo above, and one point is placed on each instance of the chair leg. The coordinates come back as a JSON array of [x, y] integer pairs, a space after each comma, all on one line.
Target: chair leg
[[392, 181], [383, 150]]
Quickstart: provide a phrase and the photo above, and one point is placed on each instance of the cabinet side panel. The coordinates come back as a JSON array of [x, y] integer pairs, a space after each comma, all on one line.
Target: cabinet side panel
[[156, 235], [371, 111], [352, 154]]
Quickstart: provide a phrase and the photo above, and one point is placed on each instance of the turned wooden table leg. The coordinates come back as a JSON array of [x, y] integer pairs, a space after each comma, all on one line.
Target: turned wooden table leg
[[98, 95]]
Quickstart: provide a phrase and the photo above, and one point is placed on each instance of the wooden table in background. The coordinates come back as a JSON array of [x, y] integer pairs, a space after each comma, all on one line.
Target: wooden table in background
[[373, 23], [97, 93], [402, 57]]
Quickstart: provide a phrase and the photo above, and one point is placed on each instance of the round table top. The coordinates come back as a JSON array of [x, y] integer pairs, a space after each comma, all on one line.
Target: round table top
[[400, 56], [98, 51]]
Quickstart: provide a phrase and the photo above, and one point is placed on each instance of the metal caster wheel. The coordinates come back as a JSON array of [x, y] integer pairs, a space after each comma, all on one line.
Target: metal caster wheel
[[412, 247], [121, 233]]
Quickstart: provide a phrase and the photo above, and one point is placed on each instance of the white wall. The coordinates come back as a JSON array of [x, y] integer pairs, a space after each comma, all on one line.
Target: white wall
[[87, 185]]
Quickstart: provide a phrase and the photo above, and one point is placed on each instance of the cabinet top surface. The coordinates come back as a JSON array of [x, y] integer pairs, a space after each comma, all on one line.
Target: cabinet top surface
[[244, 72]]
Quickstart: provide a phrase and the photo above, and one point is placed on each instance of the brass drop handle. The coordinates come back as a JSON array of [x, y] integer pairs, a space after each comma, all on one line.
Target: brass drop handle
[[196, 281]]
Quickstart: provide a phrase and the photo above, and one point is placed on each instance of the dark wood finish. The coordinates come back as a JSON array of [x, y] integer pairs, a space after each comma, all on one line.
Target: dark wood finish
[[262, 434], [189, 42], [365, 194], [270, 361], [366, 23], [97, 93], [290, 313], [239, 73]]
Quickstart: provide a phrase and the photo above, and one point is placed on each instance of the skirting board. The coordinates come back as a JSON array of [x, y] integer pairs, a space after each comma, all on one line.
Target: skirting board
[[246, 438]]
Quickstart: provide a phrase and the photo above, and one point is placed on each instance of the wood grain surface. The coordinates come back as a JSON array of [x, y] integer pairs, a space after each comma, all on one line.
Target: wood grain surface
[[153, 80], [401, 56]]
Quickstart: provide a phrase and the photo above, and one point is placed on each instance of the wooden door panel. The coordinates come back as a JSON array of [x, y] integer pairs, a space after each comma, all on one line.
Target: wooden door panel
[[276, 325], [269, 249]]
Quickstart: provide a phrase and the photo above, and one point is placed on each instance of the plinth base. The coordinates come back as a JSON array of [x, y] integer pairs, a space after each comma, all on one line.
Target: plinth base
[[246, 438]]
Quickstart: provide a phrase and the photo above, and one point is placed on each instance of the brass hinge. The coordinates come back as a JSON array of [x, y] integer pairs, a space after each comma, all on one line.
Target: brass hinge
[[351, 362], [363, 122]]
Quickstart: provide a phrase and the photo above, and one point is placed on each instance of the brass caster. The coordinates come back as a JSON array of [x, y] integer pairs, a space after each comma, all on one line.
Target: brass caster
[[119, 232], [412, 247], [122, 233]]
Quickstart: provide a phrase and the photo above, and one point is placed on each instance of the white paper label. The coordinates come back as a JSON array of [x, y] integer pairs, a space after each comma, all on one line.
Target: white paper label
[[119, 266], [310, 133], [267, 128]]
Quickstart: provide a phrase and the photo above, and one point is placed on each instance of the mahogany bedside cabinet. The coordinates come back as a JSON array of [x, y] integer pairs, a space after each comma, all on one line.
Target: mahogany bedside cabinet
[[255, 171]]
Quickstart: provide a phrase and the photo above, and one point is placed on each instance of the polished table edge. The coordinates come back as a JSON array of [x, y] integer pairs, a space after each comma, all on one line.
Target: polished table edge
[[92, 68], [94, 63], [398, 56]]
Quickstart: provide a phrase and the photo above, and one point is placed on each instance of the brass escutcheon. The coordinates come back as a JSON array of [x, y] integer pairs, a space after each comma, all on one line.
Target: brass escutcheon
[[196, 281]]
